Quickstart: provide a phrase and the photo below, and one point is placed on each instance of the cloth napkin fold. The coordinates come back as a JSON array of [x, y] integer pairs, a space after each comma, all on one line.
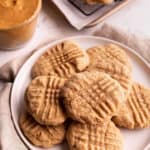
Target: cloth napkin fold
[[9, 138]]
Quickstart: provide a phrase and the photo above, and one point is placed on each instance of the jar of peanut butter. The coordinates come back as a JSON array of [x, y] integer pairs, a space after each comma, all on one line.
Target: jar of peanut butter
[[18, 20]]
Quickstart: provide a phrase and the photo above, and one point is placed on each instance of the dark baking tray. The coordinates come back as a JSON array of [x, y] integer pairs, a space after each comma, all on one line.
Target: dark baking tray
[[88, 9]]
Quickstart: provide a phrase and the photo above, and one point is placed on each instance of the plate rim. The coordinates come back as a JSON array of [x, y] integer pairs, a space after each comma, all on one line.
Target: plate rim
[[131, 50]]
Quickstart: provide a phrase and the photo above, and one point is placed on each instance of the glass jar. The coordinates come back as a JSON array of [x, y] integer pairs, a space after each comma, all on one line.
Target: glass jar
[[16, 35]]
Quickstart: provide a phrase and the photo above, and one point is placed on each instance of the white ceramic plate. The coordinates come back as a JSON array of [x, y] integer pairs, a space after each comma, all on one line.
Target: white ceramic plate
[[133, 140]]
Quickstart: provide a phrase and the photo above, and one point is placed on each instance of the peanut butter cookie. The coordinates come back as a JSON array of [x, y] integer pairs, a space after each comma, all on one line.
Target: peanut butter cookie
[[63, 60], [40, 135], [99, 1], [105, 136], [92, 97], [135, 113], [112, 60], [43, 100]]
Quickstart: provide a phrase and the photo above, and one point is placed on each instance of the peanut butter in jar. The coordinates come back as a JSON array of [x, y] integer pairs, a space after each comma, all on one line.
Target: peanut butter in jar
[[17, 22]]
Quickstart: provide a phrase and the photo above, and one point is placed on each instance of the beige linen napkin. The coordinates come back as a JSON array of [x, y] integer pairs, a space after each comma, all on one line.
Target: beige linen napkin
[[9, 138]]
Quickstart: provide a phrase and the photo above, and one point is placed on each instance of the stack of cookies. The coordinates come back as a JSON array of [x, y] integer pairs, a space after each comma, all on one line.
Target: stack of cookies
[[92, 89]]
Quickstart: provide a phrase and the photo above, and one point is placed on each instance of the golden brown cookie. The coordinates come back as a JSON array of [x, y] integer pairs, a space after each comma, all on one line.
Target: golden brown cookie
[[92, 97], [40, 135], [105, 136], [63, 60], [43, 100], [135, 113], [99, 1], [113, 60]]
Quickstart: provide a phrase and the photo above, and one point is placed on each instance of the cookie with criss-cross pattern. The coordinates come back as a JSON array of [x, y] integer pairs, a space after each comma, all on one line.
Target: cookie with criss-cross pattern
[[63, 60], [40, 135], [43, 100], [99, 1], [92, 97], [112, 60], [104, 136], [135, 113]]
